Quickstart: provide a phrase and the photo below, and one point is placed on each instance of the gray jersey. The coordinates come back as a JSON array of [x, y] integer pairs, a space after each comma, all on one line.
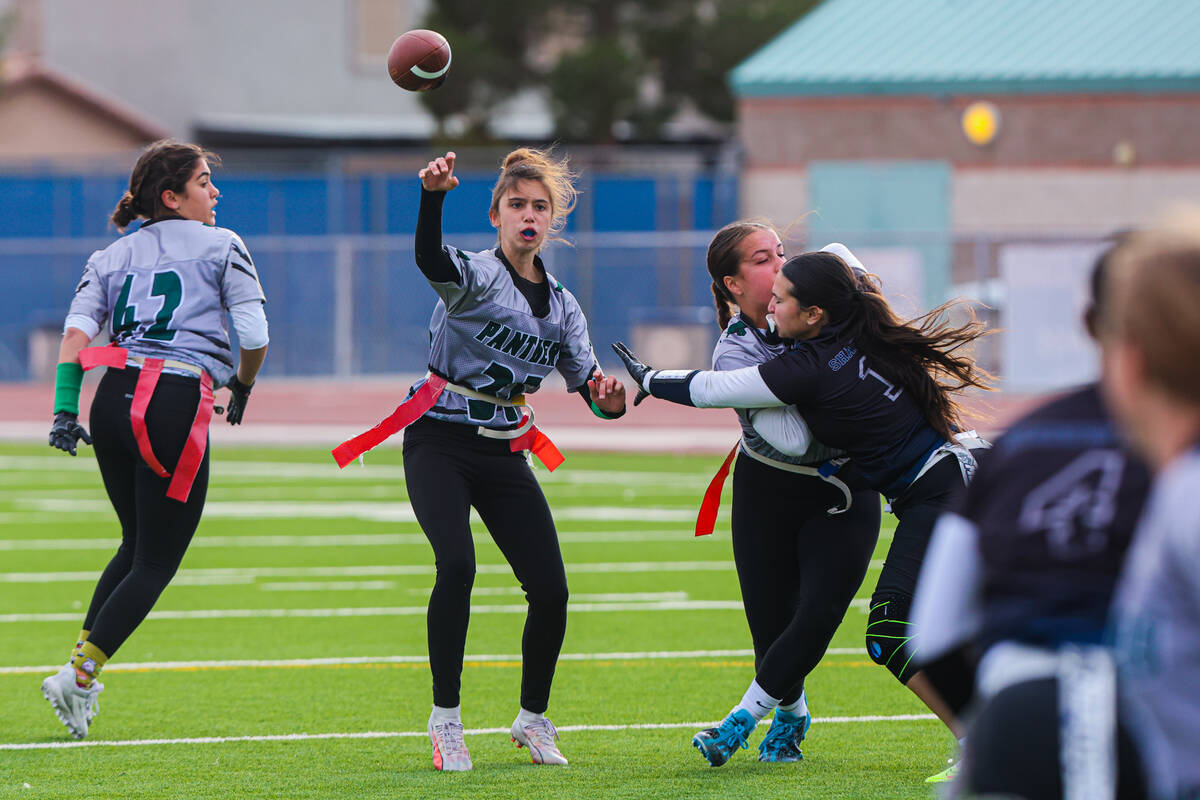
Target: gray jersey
[[165, 291], [484, 335], [1157, 611], [743, 345]]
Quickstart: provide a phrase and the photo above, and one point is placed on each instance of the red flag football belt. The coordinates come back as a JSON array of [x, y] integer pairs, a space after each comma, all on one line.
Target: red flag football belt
[[525, 437], [151, 368], [706, 520]]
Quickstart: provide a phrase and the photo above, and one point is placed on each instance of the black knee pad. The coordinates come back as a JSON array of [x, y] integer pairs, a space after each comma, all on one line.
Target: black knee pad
[[888, 633]]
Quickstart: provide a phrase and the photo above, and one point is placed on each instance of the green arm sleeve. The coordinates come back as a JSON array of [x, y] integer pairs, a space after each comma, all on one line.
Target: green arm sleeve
[[68, 379]]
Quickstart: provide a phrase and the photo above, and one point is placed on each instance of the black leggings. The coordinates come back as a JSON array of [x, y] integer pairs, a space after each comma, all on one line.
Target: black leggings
[[890, 638], [450, 468], [155, 531], [799, 567]]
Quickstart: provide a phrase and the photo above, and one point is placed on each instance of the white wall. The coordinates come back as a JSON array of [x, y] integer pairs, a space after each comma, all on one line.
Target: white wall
[[1058, 201], [178, 62]]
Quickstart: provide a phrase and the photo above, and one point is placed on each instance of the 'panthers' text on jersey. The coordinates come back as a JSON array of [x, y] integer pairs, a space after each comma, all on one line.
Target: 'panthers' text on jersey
[[484, 335], [744, 345], [1054, 505], [165, 291]]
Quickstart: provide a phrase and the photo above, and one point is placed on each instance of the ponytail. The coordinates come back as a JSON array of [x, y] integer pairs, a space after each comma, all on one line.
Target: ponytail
[[724, 303], [723, 260], [165, 164], [125, 212]]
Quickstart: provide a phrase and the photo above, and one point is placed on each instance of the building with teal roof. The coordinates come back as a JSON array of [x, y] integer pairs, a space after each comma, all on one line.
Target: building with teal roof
[[977, 145]]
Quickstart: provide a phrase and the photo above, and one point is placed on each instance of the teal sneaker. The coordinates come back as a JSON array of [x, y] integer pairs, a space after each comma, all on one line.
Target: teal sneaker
[[719, 743], [782, 742]]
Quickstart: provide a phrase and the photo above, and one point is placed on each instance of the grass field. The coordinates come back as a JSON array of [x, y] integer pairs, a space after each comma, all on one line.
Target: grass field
[[287, 659]]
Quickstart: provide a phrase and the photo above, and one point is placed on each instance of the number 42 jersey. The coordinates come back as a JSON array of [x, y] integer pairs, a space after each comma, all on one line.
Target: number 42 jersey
[[484, 335], [165, 291]]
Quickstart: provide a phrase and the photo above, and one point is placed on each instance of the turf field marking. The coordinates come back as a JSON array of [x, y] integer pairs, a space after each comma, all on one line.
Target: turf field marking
[[199, 666], [370, 511], [111, 541], [219, 575], [299, 737], [387, 611], [273, 471], [329, 586]]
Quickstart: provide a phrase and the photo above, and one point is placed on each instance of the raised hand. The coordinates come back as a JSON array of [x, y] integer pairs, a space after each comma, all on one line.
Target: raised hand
[[438, 175]]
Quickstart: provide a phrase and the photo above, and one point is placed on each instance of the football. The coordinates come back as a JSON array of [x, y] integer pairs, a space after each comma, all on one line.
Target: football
[[419, 60]]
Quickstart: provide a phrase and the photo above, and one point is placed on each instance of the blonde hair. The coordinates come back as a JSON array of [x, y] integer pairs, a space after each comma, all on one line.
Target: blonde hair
[[1153, 302], [531, 164]]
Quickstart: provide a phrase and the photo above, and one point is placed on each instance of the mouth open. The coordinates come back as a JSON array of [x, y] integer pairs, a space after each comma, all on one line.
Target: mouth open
[[529, 234]]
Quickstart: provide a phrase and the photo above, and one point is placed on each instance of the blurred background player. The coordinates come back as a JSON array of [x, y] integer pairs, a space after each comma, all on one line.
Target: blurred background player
[[879, 389], [1151, 345], [501, 324], [1019, 581], [164, 291], [798, 565]]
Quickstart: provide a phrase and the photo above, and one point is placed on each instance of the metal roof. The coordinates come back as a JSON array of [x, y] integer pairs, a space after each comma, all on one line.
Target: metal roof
[[857, 47]]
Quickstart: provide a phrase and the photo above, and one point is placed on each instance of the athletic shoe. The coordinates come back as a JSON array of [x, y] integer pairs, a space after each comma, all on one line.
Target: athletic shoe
[[73, 705], [539, 738], [449, 748], [782, 742], [946, 775], [719, 743]]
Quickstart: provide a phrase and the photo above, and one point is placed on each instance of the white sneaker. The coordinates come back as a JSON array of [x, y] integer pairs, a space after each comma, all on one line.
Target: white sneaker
[[74, 706], [539, 738], [449, 747]]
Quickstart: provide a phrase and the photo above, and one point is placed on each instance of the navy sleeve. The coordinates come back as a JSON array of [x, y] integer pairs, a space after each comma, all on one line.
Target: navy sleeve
[[432, 259], [791, 375]]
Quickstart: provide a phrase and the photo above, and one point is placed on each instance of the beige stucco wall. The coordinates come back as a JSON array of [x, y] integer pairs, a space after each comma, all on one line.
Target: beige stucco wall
[[1096, 201], [40, 123]]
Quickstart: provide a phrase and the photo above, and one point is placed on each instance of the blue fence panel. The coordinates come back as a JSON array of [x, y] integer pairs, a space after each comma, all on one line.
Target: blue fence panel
[[299, 288], [624, 204]]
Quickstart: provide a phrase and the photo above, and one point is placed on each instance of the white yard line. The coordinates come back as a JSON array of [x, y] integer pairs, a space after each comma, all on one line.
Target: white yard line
[[385, 611], [341, 540], [368, 510], [300, 737], [284, 663], [227, 575], [398, 611]]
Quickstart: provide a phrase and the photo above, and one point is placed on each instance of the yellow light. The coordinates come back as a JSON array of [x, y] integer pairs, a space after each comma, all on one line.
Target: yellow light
[[980, 122]]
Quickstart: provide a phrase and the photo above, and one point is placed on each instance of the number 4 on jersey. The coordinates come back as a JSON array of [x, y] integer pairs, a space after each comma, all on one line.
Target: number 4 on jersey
[[166, 285]]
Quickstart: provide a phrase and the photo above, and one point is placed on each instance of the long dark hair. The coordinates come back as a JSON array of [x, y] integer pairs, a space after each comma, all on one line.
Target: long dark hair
[[723, 259], [919, 355], [165, 164]]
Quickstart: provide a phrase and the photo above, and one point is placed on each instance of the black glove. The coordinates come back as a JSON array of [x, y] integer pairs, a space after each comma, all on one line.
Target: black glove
[[239, 393], [67, 431], [637, 370]]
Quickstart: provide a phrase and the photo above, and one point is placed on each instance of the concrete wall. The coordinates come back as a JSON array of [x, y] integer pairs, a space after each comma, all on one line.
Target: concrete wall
[[180, 62]]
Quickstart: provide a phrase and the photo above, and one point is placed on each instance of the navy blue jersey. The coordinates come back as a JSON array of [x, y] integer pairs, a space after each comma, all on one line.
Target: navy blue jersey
[[851, 407], [1054, 504]]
